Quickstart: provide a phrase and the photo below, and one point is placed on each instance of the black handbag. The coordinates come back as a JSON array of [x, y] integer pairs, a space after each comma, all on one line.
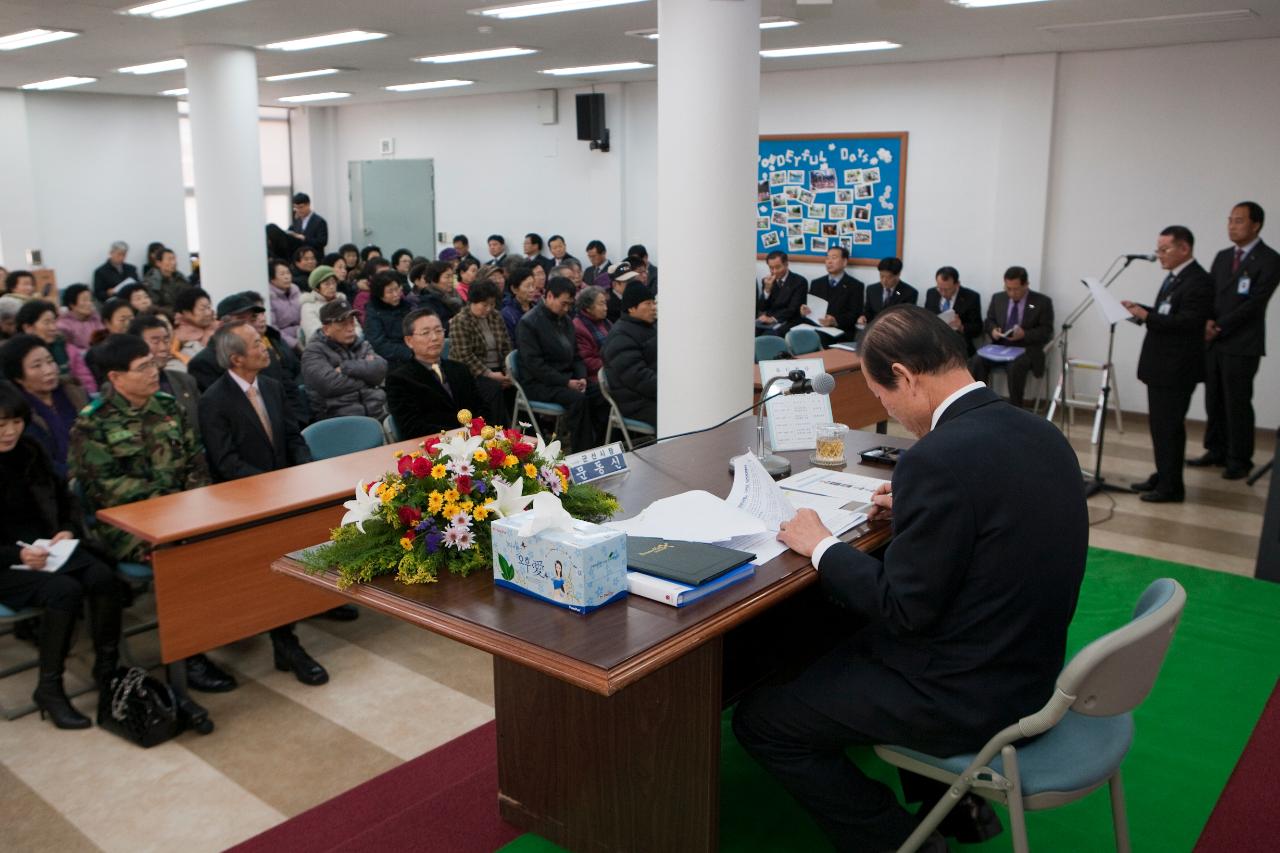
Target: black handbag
[[138, 708]]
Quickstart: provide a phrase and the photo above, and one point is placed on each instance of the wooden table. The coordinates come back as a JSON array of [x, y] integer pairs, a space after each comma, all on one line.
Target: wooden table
[[609, 723], [214, 547], [852, 402]]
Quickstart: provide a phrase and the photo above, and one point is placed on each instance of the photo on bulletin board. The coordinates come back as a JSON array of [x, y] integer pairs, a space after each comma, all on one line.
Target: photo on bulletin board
[[837, 189]]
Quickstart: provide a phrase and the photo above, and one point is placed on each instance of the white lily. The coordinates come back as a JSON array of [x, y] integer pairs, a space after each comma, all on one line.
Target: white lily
[[364, 508], [460, 447], [509, 498], [549, 452]]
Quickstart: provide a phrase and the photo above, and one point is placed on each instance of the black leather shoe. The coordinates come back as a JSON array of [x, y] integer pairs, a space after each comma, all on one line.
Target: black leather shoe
[[1235, 472], [206, 677], [290, 656], [1162, 498], [341, 613], [972, 821], [1147, 485], [1208, 460]]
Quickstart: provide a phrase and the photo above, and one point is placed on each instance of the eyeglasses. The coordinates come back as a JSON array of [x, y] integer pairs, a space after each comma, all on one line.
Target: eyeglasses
[[429, 333], [144, 369]]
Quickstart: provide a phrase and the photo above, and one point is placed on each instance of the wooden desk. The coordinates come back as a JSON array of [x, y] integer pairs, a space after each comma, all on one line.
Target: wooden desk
[[852, 402], [609, 723], [214, 547]]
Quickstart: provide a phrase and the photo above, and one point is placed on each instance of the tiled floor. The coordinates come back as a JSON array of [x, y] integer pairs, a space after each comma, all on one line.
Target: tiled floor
[[396, 692]]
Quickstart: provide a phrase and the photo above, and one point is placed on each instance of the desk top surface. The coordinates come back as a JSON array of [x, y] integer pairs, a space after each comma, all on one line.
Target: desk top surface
[[609, 648]]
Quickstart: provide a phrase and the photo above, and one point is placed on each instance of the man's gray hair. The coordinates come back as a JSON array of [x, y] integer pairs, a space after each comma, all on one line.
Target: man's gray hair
[[120, 246], [587, 297], [227, 343], [566, 266]]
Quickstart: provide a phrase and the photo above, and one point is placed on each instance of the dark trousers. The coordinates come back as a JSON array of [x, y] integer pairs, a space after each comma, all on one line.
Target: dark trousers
[[578, 419], [1018, 369], [1228, 403], [1167, 412], [496, 404], [83, 576]]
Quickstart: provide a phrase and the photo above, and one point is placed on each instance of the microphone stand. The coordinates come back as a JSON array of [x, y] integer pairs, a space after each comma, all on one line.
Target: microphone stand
[[1060, 396], [776, 465]]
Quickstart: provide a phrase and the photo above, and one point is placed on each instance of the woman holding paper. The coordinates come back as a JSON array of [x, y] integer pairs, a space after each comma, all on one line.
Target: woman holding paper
[[36, 518]]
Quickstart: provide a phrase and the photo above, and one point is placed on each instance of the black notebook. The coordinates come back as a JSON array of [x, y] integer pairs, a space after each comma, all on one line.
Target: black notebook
[[690, 563]]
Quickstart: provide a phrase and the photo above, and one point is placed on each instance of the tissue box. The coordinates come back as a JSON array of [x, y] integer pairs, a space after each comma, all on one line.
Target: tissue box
[[581, 569]]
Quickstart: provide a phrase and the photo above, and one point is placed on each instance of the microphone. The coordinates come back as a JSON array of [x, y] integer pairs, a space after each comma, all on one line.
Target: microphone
[[1140, 257], [821, 383]]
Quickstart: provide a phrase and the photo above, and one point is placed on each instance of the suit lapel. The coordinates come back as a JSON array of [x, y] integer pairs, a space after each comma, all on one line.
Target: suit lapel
[[976, 398]]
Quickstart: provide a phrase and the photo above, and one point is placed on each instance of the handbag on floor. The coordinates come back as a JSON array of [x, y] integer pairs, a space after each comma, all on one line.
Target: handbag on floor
[[138, 708]]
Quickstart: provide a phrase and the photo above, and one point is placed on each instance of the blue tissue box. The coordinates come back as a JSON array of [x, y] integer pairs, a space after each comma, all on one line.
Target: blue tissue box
[[581, 569]]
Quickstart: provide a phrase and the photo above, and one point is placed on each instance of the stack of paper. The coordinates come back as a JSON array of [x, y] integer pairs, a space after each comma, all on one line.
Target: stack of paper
[[59, 553]]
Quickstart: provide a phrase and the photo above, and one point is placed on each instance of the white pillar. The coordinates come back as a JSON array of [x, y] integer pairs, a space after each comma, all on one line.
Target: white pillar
[[708, 126], [230, 217]]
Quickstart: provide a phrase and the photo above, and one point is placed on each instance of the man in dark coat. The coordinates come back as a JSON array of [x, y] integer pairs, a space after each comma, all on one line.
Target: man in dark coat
[[114, 273], [965, 305], [425, 395], [781, 294], [631, 355], [308, 226], [550, 368]]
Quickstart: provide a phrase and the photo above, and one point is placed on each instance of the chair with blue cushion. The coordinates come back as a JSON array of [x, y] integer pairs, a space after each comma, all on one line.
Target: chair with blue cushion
[[8, 619], [769, 347], [802, 340], [389, 427], [1084, 730], [342, 435], [533, 407], [626, 425], [444, 353]]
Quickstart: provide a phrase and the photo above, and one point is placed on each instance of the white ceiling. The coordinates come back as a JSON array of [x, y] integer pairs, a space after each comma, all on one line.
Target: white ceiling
[[927, 29]]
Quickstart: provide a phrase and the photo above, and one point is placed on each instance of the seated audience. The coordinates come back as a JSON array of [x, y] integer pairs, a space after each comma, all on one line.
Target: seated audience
[[174, 380], [467, 271], [497, 249], [843, 293], [286, 300], [153, 258], [550, 369], [114, 272], [619, 276], [522, 295], [631, 356], [533, 252], [350, 253], [479, 340], [324, 282], [892, 291], [305, 260], [590, 328], [780, 297], [20, 284], [449, 256], [1018, 317], [34, 505], [598, 258], [54, 399], [138, 297], [425, 394], [650, 269], [949, 295], [363, 282], [342, 373], [194, 324], [402, 262], [116, 317], [384, 318], [370, 253], [462, 246], [559, 252], [40, 318], [164, 282], [8, 317], [81, 319], [571, 270], [439, 292]]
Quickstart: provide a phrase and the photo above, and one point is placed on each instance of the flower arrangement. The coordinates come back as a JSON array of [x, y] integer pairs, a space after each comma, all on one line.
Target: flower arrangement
[[434, 510]]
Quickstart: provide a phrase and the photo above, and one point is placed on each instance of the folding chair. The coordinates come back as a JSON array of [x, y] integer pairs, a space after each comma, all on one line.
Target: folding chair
[[342, 435], [802, 340], [769, 347], [627, 425], [533, 407]]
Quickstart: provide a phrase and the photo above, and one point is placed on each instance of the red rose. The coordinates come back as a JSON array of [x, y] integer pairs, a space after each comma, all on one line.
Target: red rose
[[409, 516], [512, 434], [463, 484], [411, 534], [431, 444], [496, 457], [563, 469], [477, 424], [522, 450], [405, 463], [422, 467]]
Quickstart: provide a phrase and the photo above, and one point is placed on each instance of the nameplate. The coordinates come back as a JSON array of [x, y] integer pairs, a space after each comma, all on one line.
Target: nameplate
[[597, 463]]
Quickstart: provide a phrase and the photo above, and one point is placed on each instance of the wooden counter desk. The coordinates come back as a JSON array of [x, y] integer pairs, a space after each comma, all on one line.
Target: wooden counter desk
[[852, 402], [214, 547], [609, 723]]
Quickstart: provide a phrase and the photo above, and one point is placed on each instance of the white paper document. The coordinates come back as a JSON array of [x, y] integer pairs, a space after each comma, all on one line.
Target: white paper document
[[849, 488], [793, 419], [695, 516], [817, 307], [947, 316], [1107, 301], [59, 553]]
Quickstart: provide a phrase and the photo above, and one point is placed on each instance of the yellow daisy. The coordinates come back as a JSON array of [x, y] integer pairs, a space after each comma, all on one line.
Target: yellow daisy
[[510, 462], [451, 496], [531, 470], [438, 471]]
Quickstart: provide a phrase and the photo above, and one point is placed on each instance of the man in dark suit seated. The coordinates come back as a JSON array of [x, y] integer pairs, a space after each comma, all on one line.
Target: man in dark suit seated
[[961, 629], [780, 297], [308, 226], [892, 291], [950, 295], [843, 293], [631, 355], [551, 369], [426, 394], [1245, 276], [1172, 359], [248, 429], [1021, 318], [114, 273]]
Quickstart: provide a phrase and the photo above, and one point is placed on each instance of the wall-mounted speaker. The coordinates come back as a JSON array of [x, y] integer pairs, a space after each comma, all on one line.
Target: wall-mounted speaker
[[590, 116]]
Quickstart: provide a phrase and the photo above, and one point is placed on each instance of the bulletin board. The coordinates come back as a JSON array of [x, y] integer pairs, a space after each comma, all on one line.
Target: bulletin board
[[815, 192]]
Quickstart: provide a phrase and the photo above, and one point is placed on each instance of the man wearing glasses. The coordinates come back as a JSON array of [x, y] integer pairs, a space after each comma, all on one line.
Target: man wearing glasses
[[425, 395]]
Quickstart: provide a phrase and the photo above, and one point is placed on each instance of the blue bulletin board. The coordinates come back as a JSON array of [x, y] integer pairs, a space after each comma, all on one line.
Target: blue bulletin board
[[814, 192]]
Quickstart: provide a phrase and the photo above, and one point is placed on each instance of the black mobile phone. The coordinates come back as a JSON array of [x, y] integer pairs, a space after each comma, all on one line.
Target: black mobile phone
[[883, 455]]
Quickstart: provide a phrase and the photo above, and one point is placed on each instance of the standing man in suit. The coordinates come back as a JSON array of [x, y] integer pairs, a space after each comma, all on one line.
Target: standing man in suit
[[1244, 276], [426, 394], [1019, 317], [843, 293], [781, 295], [892, 291], [308, 226], [950, 295], [598, 257], [248, 429], [497, 250], [1172, 359], [957, 639], [533, 252]]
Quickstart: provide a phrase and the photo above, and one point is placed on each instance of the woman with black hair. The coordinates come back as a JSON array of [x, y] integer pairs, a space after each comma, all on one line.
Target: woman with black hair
[[384, 318], [52, 398], [35, 505], [40, 318]]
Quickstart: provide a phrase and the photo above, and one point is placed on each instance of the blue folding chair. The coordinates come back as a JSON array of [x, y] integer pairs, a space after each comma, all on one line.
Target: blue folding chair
[[802, 340], [533, 407], [342, 435], [627, 425], [769, 347]]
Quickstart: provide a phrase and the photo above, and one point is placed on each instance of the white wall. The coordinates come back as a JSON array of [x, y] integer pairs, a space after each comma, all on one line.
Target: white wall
[[19, 230]]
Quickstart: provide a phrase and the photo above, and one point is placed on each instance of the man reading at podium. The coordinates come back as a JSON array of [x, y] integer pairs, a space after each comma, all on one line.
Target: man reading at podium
[[961, 629]]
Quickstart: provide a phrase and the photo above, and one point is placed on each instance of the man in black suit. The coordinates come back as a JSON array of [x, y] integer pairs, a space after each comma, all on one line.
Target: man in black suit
[[843, 293], [308, 226], [1018, 317], [1244, 276], [425, 395], [892, 291], [462, 246], [963, 624], [950, 295], [598, 258], [551, 368], [497, 250], [533, 252], [559, 252], [248, 429], [782, 293], [1172, 359], [114, 273]]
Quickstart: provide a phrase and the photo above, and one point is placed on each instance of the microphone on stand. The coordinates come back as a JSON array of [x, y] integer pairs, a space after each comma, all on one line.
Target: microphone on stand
[[1150, 258], [821, 383]]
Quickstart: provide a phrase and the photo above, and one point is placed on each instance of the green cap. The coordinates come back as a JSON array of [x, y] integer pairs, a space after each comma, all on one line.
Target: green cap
[[318, 275]]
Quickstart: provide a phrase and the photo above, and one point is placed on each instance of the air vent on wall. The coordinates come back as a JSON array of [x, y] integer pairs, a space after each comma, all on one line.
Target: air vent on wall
[[1194, 18]]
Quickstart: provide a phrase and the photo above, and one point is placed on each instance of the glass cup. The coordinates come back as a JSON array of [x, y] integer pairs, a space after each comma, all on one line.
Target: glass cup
[[830, 449]]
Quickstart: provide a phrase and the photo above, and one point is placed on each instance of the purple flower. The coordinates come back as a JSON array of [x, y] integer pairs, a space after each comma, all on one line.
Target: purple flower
[[433, 542], [479, 487]]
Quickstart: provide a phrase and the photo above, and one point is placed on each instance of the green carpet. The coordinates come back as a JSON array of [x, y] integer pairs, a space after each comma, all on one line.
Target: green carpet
[[1222, 667]]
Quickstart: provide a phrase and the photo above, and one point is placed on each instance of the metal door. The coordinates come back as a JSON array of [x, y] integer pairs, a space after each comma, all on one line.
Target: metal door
[[393, 204]]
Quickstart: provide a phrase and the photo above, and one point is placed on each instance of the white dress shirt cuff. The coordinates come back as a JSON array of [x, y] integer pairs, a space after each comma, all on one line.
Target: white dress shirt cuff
[[819, 551]]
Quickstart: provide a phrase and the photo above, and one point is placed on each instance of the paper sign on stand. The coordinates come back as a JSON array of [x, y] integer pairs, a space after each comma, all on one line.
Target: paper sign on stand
[[1107, 301], [794, 418]]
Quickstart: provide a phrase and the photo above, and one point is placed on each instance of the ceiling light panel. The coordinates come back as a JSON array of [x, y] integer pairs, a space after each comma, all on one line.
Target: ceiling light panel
[[328, 40], [299, 75], [175, 8], [550, 7], [315, 96], [155, 67], [59, 83], [985, 4], [429, 84], [824, 49], [765, 24], [471, 56], [31, 38], [1224, 17], [176, 93], [584, 70]]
